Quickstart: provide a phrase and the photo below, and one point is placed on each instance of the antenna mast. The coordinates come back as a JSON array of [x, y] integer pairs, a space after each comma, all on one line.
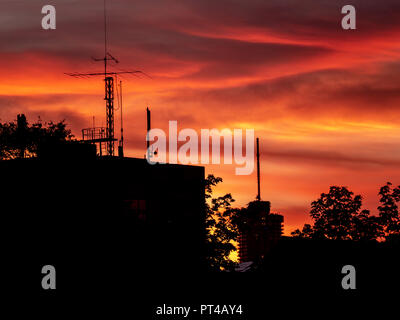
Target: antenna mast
[[105, 39], [105, 135], [149, 154], [121, 141], [258, 172]]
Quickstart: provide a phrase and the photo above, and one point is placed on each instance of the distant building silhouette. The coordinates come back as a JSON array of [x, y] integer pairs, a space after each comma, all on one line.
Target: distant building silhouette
[[262, 233]]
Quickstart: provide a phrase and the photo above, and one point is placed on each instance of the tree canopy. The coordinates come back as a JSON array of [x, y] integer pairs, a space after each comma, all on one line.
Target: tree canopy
[[338, 215], [19, 139], [389, 210]]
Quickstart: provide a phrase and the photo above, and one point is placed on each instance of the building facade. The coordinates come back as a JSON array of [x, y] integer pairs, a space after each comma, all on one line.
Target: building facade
[[261, 232]]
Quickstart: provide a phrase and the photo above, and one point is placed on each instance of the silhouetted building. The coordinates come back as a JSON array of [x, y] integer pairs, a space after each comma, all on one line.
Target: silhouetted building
[[104, 213], [261, 232]]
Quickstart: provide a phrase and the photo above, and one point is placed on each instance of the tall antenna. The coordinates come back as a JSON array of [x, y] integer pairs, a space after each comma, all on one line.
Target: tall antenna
[[149, 153], [105, 38], [122, 118], [121, 141], [258, 172], [98, 133]]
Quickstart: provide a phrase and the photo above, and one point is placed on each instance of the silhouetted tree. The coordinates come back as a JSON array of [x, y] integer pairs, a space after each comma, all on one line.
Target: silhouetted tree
[[307, 232], [366, 227], [219, 228], [18, 139], [389, 210], [338, 215]]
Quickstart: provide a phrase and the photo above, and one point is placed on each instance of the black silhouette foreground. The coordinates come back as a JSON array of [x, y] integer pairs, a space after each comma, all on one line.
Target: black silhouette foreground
[[116, 226]]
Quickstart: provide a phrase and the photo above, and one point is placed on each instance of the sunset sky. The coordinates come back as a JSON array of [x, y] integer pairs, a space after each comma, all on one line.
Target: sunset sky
[[324, 101]]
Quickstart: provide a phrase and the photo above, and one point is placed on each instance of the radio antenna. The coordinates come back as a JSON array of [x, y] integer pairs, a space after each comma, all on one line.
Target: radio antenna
[[258, 171], [108, 138]]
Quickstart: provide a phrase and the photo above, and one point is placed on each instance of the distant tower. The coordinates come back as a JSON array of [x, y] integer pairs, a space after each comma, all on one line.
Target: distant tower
[[263, 231], [105, 136], [110, 114], [263, 228]]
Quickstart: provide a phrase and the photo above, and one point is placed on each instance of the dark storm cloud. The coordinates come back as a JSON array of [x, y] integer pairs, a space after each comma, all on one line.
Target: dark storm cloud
[[154, 33], [80, 23], [297, 18]]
